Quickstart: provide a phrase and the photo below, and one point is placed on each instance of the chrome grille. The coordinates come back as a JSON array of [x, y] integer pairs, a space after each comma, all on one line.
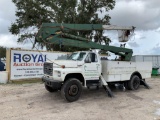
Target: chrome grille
[[48, 68]]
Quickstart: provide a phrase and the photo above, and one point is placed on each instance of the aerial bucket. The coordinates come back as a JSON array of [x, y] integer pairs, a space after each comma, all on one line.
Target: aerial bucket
[[123, 35]]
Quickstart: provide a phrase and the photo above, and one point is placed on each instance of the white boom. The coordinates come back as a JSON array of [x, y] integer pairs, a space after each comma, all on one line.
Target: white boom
[[115, 27]]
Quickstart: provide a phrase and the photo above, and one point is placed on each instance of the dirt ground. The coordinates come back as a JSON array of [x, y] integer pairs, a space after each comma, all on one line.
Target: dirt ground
[[32, 102]]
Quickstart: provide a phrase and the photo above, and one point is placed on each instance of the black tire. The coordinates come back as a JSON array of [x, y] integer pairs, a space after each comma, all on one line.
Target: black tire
[[134, 83], [50, 89], [71, 89]]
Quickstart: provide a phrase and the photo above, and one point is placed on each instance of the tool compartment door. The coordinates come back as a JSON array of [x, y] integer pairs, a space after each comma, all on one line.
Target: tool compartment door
[[117, 70]]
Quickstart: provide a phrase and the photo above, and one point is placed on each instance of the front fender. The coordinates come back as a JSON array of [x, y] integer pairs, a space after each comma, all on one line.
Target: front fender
[[65, 72]]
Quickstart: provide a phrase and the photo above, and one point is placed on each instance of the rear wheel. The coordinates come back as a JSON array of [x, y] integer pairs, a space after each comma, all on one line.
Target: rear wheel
[[71, 89], [50, 89], [134, 83]]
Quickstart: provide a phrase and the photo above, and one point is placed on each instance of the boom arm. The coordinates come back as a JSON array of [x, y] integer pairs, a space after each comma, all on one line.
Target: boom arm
[[57, 34]]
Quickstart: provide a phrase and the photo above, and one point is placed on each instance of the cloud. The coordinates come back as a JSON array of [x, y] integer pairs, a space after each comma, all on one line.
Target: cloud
[[4, 26], [7, 15], [7, 10], [115, 44], [158, 30], [143, 14], [156, 50], [10, 41], [151, 3], [133, 44], [142, 37]]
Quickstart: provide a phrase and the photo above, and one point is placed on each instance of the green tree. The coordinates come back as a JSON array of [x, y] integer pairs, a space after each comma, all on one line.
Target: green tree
[[2, 52], [31, 13]]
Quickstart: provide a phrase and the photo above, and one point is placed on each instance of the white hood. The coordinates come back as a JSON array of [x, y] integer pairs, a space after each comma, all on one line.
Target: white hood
[[67, 63]]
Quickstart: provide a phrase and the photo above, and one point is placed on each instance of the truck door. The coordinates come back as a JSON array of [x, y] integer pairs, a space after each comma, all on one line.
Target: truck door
[[92, 67]]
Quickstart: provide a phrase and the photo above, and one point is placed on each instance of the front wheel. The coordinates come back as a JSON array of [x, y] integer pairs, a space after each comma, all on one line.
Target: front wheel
[[71, 89]]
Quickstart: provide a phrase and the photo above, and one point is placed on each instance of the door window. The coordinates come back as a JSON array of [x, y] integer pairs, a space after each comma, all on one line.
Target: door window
[[91, 57]]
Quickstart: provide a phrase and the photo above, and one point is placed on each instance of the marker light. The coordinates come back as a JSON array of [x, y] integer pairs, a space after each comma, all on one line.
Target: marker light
[[63, 66]]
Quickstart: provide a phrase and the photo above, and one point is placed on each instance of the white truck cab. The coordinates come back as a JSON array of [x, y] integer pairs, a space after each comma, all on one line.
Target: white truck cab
[[85, 68]]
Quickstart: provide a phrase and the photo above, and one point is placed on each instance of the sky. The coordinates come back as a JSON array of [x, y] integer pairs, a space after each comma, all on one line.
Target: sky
[[143, 14]]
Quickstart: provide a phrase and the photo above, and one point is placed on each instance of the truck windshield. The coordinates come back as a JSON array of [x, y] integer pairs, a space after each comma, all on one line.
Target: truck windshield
[[77, 56]]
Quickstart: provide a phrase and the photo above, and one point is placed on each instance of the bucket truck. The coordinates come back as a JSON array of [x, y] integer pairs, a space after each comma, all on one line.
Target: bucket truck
[[86, 68]]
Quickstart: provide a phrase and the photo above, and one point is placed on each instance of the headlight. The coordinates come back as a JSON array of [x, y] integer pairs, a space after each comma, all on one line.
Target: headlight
[[59, 74]]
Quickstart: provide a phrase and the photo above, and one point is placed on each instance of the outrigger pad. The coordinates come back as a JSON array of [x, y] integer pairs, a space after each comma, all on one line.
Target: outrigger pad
[[108, 90], [143, 82]]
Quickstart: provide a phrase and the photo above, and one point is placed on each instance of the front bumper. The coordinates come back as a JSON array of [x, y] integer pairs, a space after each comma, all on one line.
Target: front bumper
[[52, 83]]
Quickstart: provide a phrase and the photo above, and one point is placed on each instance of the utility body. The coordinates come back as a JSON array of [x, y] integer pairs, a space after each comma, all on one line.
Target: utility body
[[87, 68]]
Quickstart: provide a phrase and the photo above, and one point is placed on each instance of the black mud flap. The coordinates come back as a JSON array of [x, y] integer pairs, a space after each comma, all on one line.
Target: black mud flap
[[143, 82], [108, 90]]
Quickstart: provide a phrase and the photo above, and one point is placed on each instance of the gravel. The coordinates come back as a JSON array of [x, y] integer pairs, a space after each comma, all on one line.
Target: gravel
[[32, 102]]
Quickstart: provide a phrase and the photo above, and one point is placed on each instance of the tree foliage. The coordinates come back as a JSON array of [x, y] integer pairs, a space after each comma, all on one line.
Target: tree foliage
[[32, 13], [2, 52]]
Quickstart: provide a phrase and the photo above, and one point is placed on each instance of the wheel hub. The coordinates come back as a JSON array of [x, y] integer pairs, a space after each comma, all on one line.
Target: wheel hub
[[136, 83], [73, 90]]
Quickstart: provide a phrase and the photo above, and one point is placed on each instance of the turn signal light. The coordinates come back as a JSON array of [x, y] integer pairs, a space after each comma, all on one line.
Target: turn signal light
[[63, 66]]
